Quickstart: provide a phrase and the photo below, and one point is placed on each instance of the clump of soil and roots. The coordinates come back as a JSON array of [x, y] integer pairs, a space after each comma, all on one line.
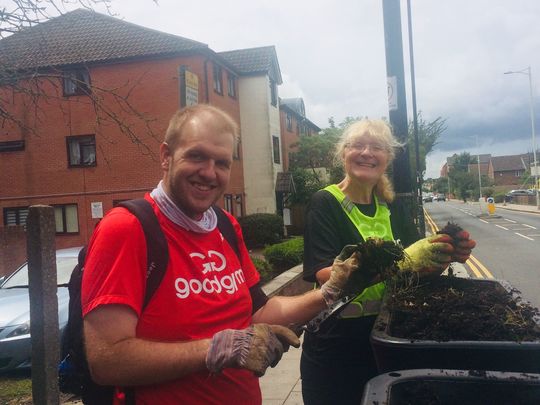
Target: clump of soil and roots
[[452, 229], [378, 261], [450, 308]]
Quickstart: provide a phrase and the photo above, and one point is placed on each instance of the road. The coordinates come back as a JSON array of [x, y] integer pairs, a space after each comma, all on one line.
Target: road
[[508, 243]]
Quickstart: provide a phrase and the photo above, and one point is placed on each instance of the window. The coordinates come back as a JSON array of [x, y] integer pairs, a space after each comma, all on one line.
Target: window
[[81, 150], [273, 92], [66, 218], [228, 198], [231, 84], [275, 147], [15, 216], [76, 82], [289, 122], [218, 83], [518, 173], [239, 207], [11, 146]]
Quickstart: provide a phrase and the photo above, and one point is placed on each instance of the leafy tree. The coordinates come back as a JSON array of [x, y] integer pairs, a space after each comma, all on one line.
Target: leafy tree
[[313, 165], [428, 136], [462, 183]]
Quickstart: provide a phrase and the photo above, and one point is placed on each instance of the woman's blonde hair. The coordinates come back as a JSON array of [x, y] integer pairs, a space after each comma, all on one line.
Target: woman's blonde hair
[[381, 132]]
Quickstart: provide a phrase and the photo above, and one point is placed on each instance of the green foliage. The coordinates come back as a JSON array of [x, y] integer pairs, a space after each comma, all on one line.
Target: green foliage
[[264, 269], [314, 151], [440, 185], [284, 255], [312, 165], [428, 136], [306, 183], [499, 197], [261, 229], [15, 390]]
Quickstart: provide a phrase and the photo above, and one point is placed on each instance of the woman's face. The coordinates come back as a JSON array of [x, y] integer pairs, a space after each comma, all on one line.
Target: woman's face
[[366, 159]]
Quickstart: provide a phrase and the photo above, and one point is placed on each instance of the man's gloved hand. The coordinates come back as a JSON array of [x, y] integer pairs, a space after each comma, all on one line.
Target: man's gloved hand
[[344, 265], [429, 255], [255, 348], [463, 246]]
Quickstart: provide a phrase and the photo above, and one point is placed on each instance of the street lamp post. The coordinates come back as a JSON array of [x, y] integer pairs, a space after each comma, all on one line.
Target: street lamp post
[[527, 71]]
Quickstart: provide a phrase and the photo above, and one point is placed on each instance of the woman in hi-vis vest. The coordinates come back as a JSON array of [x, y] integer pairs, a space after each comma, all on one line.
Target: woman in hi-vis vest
[[337, 359]]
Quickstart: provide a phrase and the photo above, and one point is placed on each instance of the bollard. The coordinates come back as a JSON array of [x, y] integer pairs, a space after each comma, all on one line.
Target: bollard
[[42, 286]]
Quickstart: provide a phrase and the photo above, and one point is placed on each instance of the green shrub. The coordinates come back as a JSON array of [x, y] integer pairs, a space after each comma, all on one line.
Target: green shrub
[[264, 268], [261, 229], [499, 197], [282, 256]]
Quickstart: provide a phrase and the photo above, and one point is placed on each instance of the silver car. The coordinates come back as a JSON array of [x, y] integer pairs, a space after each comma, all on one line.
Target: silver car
[[15, 347]]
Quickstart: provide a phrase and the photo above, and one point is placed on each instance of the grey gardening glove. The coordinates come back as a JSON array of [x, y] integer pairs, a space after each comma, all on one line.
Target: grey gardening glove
[[342, 268], [255, 348]]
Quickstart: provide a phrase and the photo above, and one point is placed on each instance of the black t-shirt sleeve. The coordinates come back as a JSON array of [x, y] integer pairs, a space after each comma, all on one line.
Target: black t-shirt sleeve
[[327, 230], [258, 297]]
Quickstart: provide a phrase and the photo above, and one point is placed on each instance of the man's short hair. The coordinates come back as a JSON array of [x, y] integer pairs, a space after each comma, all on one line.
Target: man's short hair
[[222, 122]]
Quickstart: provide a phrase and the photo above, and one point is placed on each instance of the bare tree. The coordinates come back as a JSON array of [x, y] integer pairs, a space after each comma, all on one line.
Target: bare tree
[[27, 88]]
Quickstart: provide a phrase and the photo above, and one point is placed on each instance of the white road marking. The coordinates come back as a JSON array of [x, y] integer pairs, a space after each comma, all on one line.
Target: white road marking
[[486, 222], [502, 227], [509, 220], [529, 226], [523, 236]]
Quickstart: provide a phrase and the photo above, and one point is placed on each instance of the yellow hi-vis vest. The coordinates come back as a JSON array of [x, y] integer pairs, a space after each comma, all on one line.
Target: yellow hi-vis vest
[[369, 301]]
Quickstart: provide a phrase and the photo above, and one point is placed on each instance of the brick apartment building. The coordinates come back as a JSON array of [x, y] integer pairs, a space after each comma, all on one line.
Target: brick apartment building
[[93, 140]]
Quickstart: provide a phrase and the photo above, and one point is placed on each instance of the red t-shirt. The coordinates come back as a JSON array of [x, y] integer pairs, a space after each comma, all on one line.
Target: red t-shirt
[[205, 289]]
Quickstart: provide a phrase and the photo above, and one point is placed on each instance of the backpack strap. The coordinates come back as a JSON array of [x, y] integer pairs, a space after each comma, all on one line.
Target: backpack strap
[[157, 251], [226, 228]]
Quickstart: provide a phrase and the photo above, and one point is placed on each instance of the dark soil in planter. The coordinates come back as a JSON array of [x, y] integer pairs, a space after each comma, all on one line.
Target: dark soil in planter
[[449, 308]]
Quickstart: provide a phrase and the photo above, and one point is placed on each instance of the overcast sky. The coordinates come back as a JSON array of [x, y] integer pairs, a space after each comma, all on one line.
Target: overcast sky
[[331, 53]]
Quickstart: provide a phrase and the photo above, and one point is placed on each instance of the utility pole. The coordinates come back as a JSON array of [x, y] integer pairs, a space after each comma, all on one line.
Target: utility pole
[[419, 203], [397, 104]]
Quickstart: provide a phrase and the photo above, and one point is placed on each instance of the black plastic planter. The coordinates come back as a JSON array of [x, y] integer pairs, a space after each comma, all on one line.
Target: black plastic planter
[[395, 353], [450, 387]]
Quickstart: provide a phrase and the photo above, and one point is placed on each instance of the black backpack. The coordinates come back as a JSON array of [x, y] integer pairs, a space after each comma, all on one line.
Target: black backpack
[[74, 375]]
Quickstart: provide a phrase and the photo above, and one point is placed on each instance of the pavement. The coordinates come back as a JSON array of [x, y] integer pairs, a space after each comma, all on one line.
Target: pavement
[[517, 207]]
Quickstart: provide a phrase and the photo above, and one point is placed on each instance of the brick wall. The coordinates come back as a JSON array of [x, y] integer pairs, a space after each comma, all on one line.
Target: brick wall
[[12, 249], [126, 167]]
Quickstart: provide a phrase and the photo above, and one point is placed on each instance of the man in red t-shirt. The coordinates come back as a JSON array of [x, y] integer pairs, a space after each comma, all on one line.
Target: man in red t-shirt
[[209, 331]]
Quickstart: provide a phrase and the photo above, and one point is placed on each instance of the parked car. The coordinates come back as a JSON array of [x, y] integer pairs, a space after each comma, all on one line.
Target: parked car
[[15, 345], [520, 192], [427, 198], [440, 197]]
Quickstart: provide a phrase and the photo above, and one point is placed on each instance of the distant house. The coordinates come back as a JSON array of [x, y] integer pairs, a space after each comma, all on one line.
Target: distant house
[[486, 167], [510, 170]]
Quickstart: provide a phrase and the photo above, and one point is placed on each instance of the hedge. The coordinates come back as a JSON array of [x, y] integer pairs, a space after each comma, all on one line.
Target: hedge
[[261, 229], [282, 256]]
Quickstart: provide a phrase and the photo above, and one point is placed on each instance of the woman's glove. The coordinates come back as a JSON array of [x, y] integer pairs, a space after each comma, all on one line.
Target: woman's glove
[[429, 255], [341, 278], [463, 246], [255, 348]]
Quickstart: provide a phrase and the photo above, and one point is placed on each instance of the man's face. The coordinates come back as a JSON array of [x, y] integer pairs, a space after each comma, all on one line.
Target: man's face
[[197, 172]]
